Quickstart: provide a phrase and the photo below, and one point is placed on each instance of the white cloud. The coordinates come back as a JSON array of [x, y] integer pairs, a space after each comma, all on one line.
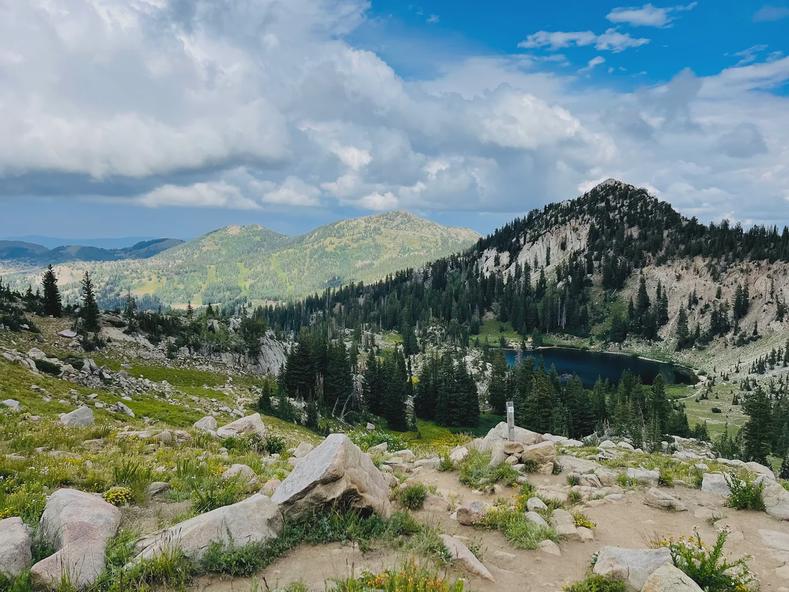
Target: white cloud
[[769, 13], [647, 15], [293, 192], [611, 40], [593, 63], [198, 195], [378, 201]]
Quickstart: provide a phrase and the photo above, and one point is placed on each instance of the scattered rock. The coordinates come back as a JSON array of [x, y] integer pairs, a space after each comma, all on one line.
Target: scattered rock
[[81, 417], [458, 454], [472, 513], [251, 424], [206, 424], [542, 453], [302, 449], [77, 525], [644, 476], [335, 472], [715, 483], [549, 547], [669, 579], [564, 524], [776, 499], [632, 565], [535, 518], [378, 448], [459, 552], [15, 543], [658, 498], [120, 407], [67, 333], [156, 488], [270, 486], [12, 404], [254, 520], [243, 473], [535, 504]]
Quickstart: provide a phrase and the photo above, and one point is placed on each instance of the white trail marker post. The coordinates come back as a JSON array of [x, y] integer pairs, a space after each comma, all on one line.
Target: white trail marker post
[[510, 421]]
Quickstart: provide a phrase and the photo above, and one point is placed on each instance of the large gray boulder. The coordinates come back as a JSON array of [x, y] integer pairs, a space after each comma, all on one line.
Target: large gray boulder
[[644, 476], [472, 513], [500, 432], [657, 498], [251, 424], [776, 499], [79, 418], [336, 472], [206, 424], [715, 483], [634, 566], [669, 579], [254, 520], [540, 453], [15, 543], [78, 526]]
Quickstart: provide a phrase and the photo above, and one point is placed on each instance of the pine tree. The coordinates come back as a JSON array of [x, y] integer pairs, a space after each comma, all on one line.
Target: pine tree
[[497, 388], [52, 303], [682, 329], [757, 432], [89, 311]]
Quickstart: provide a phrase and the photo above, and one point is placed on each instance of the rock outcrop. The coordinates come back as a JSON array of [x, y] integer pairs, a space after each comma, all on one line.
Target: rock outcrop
[[251, 424], [670, 579], [15, 543], [78, 526], [80, 417], [254, 520], [461, 553], [338, 473], [634, 566]]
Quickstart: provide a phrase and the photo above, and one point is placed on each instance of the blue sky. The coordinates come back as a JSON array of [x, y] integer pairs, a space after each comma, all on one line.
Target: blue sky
[[171, 118]]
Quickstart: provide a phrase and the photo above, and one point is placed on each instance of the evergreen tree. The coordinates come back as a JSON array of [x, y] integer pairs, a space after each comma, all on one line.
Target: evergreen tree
[[757, 431], [497, 388], [682, 329], [89, 311], [52, 303]]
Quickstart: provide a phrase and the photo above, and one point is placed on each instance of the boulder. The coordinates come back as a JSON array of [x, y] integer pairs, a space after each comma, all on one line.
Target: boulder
[[458, 454], [715, 483], [573, 464], [12, 404], [472, 513], [405, 455], [564, 524], [501, 433], [459, 552], [120, 407], [669, 579], [251, 424], [206, 424], [644, 476], [67, 333], [80, 417], [536, 519], [335, 472], [541, 453], [549, 547], [634, 566], [302, 449], [776, 499], [378, 448], [77, 525], [156, 488], [497, 454], [254, 520], [15, 547], [658, 498], [270, 486], [535, 504], [243, 473]]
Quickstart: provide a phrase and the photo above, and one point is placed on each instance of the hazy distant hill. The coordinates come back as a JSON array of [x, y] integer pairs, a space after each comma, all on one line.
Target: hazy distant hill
[[35, 254], [260, 264]]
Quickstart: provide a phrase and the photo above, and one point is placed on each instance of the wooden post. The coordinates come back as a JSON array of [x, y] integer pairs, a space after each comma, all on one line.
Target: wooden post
[[510, 420]]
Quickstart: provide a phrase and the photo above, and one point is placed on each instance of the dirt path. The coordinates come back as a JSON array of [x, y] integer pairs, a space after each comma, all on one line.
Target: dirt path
[[626, 523]]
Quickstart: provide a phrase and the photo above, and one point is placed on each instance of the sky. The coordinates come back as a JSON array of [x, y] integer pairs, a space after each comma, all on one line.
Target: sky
[[174, 117]]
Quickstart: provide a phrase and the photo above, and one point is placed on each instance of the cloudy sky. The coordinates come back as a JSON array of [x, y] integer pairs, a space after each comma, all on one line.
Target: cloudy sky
[[174, 117]]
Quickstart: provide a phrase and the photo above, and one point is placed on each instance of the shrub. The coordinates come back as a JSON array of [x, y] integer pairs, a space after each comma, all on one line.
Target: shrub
[[745, 494], [582, 519], [48, 367], [412, 496], [595, 583], [118, 496], [574, 497], [214, 493], [408, 578], [475, 471], [445, 463], [666, 477], [516, 528], [573, 480], [708, 567], [365, 439], [133, 475]]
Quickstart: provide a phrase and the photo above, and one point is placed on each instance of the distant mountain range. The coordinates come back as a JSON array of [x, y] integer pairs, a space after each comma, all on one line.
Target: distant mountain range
[[36, 254], [257, 263]]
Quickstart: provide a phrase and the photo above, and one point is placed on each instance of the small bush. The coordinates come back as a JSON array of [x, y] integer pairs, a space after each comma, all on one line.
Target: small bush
[[408, 578], [666, 477], [708, 567], [273, 444], [573, 480], [516, 528], [745, 494], [133, 475], [48, 367], [445, 463], [582, 519], [118, 496], [412, 496], [365, 439], [215, 493], [595, 583], [574, 497], [475, 471]]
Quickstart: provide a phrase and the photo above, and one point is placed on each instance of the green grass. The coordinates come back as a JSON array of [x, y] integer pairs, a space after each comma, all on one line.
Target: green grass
[[699, 411], [475, 471], [516, 528], [596, 583], [492, 331]]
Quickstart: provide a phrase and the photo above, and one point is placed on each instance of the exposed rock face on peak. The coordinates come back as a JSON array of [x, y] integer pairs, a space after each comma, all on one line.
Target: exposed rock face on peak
[[338, 473]]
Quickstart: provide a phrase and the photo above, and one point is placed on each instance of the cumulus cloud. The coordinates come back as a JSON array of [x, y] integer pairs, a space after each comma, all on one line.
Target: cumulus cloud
[[265, 104], [647, 15], [593, 63]]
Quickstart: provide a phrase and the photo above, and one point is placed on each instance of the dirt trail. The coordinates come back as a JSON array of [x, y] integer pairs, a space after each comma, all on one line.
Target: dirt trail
[[625, 523]]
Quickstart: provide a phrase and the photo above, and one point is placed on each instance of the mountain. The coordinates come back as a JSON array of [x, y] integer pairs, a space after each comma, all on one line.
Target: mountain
[[50, 242], [262, 265], [31, 253], [614, 264]]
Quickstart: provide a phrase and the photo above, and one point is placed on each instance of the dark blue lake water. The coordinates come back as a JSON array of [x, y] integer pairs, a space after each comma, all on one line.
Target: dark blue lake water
[[589, 365]]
